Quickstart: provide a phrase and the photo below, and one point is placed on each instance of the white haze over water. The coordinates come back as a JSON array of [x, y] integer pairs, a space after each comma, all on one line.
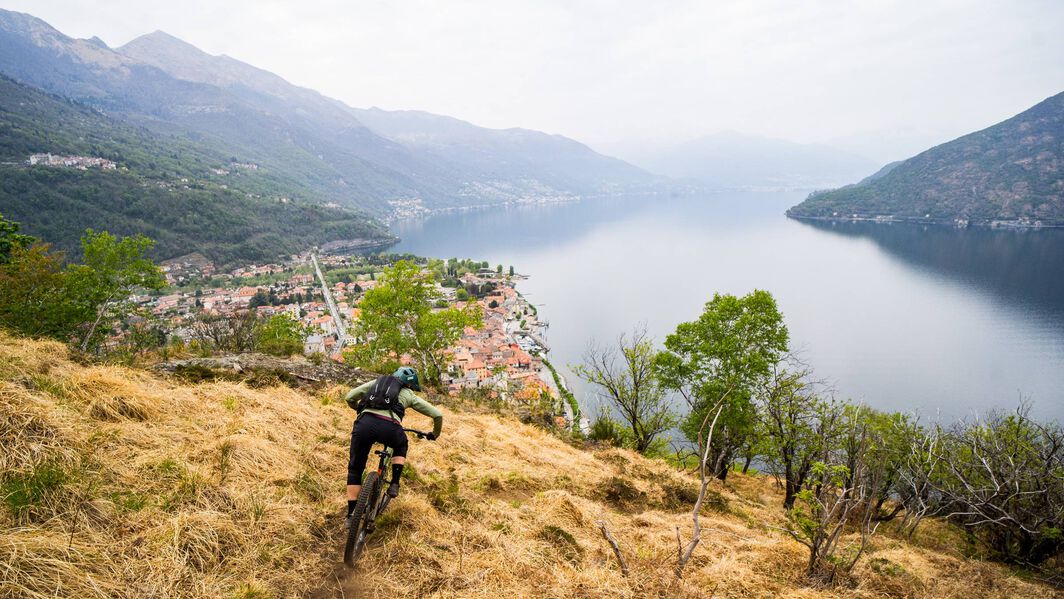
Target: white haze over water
[[883, 77]]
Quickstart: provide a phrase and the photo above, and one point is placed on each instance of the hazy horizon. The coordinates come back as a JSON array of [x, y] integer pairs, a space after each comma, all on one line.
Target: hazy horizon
[[883, 80]]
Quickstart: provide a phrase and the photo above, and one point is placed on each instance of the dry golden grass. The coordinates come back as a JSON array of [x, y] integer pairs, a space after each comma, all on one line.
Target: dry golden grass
[[139, 486]]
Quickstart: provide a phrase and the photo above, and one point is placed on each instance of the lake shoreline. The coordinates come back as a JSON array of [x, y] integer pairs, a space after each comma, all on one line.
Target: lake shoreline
[[913, 220]]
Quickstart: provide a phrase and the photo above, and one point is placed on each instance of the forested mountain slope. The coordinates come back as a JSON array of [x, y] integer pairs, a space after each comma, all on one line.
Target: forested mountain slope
[[502, 155], [187, 196], [1012, 171]]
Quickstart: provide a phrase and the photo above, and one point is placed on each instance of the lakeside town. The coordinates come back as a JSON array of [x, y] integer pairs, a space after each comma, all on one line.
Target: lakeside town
[[504, 358]]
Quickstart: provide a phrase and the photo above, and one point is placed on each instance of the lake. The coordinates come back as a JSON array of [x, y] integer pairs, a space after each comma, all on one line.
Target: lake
[[945, 322]]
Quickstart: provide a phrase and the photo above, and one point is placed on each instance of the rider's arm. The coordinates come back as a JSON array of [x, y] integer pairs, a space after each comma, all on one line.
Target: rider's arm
[[413, 401], [357, 393]]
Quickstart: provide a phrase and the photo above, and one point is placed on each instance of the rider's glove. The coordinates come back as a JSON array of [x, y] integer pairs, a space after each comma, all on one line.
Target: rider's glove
[[430, 436]]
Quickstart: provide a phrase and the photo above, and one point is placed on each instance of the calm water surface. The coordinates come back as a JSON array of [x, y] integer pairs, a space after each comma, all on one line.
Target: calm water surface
[[945, 322]]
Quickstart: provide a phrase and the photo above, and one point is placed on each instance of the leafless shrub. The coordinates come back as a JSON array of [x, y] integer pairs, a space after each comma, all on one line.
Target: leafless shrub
[[1002, 478], [226, 333]]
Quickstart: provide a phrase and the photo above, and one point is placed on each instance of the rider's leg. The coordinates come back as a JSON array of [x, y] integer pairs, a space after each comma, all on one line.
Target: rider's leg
[[397, 466], [399, 444], [361, 442]]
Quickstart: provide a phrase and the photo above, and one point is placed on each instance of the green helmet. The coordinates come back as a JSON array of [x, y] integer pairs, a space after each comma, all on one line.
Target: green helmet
[[408, 376]]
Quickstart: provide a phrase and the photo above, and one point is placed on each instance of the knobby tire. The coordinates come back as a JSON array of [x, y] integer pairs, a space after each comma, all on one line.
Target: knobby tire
[[356, 535]]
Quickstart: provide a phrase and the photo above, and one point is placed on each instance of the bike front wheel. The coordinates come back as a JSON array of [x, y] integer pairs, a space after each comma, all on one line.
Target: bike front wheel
[[356, 534]]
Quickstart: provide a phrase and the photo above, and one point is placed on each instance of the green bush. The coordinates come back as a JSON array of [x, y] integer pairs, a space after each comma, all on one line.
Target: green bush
[[607, 430], [25, 493], [281, 335]]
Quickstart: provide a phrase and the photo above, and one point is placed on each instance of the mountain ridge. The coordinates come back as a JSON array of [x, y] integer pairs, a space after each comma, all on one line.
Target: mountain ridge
[[1010, 173], [172, 87]]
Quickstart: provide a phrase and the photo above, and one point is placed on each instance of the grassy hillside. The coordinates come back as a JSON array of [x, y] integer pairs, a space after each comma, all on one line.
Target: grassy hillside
[[165, 187], [1010, 171], [118, 483]]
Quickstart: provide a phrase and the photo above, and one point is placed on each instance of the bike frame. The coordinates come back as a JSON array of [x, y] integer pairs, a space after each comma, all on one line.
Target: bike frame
[[386, 459], [380, 500]]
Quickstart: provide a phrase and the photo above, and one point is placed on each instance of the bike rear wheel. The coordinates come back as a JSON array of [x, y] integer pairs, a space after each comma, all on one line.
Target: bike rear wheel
[[356, 534]]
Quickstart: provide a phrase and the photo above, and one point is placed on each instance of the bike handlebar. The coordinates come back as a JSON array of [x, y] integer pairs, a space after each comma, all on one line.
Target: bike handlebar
[[420, 434]]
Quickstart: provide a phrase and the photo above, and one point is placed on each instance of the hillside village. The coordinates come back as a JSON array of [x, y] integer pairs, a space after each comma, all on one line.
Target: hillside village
[[504, 357], [78, 162]]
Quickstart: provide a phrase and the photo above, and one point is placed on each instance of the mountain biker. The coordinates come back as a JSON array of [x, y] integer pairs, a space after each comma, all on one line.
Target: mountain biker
[[381, 405]]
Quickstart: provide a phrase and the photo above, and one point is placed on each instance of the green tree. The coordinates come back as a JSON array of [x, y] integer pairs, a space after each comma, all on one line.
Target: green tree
[[625, 375], [280, 335], [10, 239], [81, 302], [261, 298], [511, 270], [605, 428], [835, 499], [721, 359], [32, 298], [893, 437], [113, 268], [398, 318]]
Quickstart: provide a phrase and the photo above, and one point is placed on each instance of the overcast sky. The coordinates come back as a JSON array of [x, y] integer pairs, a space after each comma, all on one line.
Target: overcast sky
[[806, 70]]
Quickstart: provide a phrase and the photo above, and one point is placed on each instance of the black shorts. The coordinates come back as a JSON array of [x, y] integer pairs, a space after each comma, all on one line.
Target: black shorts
[[370, 429]]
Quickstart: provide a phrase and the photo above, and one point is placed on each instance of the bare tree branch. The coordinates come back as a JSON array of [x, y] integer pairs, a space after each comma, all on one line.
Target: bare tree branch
[[616, 549]]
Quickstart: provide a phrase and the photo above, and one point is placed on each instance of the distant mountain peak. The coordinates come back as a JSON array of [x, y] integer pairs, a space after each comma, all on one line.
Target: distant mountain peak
[[23, 22], [32, 28], [99, 43], [159, 41], [160, 34], [185, 61], [28, 31]]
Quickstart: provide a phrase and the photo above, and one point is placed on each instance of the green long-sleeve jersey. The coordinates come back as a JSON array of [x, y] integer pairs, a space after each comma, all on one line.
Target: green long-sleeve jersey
[[408, 398]]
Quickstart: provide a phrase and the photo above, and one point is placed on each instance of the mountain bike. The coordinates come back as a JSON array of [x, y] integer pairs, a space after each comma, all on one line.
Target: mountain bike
[[371, 503]]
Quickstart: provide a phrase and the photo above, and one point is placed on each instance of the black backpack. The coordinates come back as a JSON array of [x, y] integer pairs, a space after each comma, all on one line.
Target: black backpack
[[384, 395]]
